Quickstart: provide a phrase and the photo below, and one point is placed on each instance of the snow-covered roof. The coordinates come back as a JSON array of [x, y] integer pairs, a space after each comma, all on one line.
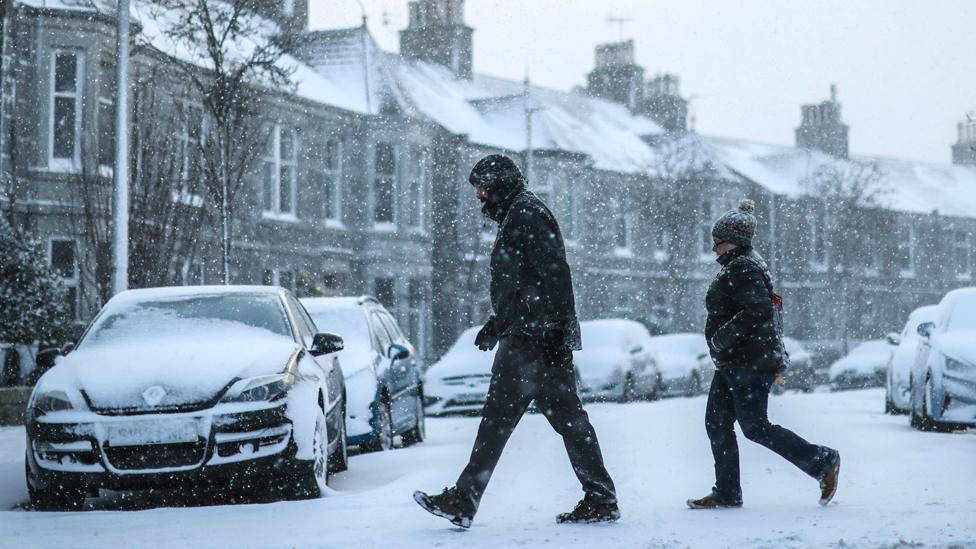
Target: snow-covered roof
[[905, 185]]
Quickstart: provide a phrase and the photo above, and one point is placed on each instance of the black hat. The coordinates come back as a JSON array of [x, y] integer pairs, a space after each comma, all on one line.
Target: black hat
[[498, 175]]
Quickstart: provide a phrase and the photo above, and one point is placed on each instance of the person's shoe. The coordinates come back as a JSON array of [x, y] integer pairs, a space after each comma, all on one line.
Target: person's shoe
[[446, 505], [829, 480], [713, 501], [587, 512]]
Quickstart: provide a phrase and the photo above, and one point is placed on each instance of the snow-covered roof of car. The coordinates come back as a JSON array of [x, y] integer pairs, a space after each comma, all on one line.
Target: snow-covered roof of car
[[187, 291]]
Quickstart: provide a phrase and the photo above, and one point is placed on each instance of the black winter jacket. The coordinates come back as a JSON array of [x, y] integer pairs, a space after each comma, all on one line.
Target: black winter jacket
[[739, 328], [531, 285]]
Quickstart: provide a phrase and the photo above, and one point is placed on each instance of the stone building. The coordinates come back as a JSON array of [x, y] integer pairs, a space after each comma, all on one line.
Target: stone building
[[361, 183]]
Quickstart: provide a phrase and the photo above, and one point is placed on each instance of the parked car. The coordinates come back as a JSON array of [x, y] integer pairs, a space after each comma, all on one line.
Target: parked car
[[458, 382], [943, 381], [800, 374], [171, 387], [899, 371], [683, 361], [863, 367], [618, 361], [384, 376]]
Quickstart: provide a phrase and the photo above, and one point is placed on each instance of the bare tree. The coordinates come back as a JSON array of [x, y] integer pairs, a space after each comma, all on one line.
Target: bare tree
[[232, 65], [841, 193], [680, 171]]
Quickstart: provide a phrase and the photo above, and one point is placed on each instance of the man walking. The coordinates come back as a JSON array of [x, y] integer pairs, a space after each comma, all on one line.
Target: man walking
[[746, 348], [536, 328]]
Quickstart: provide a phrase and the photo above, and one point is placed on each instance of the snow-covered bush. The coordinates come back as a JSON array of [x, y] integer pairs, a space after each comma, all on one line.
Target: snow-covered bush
[[32, 303]]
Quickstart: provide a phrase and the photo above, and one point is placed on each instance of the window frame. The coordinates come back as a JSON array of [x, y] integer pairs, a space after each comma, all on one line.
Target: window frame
[[963, 249], [274, 159], [56, 163], [393, 176], [623, 219], [417, 188], [74, 281], [906, 251], [333, 174]]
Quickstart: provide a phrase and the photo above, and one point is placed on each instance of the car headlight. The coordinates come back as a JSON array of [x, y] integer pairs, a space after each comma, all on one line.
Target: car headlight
[[51, 401], [951, 364], [259, 389]]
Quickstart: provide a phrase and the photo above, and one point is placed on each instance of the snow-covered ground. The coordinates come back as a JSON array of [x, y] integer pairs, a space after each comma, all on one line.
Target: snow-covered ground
[[899, 487]]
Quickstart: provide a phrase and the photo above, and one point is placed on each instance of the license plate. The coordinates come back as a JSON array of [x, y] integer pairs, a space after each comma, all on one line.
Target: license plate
[[470, 398], [152, 432]]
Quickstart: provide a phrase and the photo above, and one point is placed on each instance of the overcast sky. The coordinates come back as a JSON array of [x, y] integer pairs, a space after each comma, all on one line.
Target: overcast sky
[[905, 69]]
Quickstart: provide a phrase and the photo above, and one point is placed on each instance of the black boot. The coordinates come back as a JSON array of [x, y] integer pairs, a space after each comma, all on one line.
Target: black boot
[[448, 504], [587, 511], [714, 501], [828, 480]]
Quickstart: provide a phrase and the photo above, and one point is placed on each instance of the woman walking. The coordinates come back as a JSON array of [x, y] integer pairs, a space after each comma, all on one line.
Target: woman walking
[[747, 351]]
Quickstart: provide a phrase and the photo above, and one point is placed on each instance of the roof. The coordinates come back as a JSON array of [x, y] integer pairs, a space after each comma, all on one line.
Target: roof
[[905, 185], [170, 292]]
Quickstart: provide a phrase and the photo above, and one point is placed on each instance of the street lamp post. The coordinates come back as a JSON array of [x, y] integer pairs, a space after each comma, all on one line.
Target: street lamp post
[[120, 204]]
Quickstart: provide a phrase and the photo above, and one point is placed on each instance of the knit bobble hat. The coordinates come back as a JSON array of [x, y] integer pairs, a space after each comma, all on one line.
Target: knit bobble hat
[[737, 226]]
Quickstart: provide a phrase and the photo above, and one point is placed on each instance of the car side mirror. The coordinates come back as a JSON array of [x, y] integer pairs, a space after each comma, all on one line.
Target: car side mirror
[[397, 352], [636, 349], [325, 343], [925, 329], [67, 348], [893, 339]]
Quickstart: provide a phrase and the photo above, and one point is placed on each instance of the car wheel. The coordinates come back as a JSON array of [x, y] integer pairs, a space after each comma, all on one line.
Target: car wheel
[[889, 405], [657, 390], [339, 461], [311, 475], [419, 433], [629, 393], [382, 430], [926, 421], [60, 499]]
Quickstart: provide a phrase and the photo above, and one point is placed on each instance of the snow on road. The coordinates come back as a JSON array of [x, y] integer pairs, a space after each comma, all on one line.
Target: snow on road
[[898, 486]]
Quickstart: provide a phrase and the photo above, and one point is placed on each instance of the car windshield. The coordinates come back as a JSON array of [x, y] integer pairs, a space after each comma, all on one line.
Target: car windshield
[[348, 322], [198, 316], [963, 317]]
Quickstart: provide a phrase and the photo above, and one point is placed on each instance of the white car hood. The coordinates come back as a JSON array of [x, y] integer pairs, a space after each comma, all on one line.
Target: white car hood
[[960, 346], [676, 365], [189, 370]]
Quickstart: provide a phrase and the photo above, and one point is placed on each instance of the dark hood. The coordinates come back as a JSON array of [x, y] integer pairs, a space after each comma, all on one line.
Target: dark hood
[[501, 179]]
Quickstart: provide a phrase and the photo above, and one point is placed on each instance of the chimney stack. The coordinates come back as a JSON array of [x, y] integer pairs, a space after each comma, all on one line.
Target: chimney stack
[[822, 129], [964, 150], [437, 34]]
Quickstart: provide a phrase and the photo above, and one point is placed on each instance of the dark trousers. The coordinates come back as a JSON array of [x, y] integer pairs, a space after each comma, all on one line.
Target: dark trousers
[[742, 394], [525, 370]]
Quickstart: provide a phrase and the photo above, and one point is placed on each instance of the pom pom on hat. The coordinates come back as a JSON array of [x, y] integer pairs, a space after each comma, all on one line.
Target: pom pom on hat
[[746, 205], [737, 226]]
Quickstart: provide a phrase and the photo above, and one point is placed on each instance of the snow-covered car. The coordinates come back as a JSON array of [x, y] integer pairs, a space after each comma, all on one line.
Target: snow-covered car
[[943, 382], [898, 374], [683, 362], [863, 367], [384, 378], [800, 373], [225, 386], [618, 361], [458, 382]]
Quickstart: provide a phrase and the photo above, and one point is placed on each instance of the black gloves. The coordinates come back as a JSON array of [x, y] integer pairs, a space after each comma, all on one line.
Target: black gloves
[[487, 338]]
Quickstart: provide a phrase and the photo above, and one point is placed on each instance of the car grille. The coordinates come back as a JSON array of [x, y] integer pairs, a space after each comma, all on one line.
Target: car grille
[[156, 456]]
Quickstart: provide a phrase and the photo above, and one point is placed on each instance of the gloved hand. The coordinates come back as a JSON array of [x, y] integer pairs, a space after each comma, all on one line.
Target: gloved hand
[[487, 338]]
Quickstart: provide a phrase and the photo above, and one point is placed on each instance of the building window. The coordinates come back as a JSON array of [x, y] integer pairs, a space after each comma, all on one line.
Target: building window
[[816, 225], [662, 243], [622, 228], [545, 189], [280, 166], [961, 253], [106, 115], [288, 8], [279, 277], [906, 250], [67, 77], [333, 181], [417, 312], [572, 204], [384, 290], [384, 184], [63, 258], [193, 273], [705, 229], [872, 255], [417, 187], [191, 152]]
